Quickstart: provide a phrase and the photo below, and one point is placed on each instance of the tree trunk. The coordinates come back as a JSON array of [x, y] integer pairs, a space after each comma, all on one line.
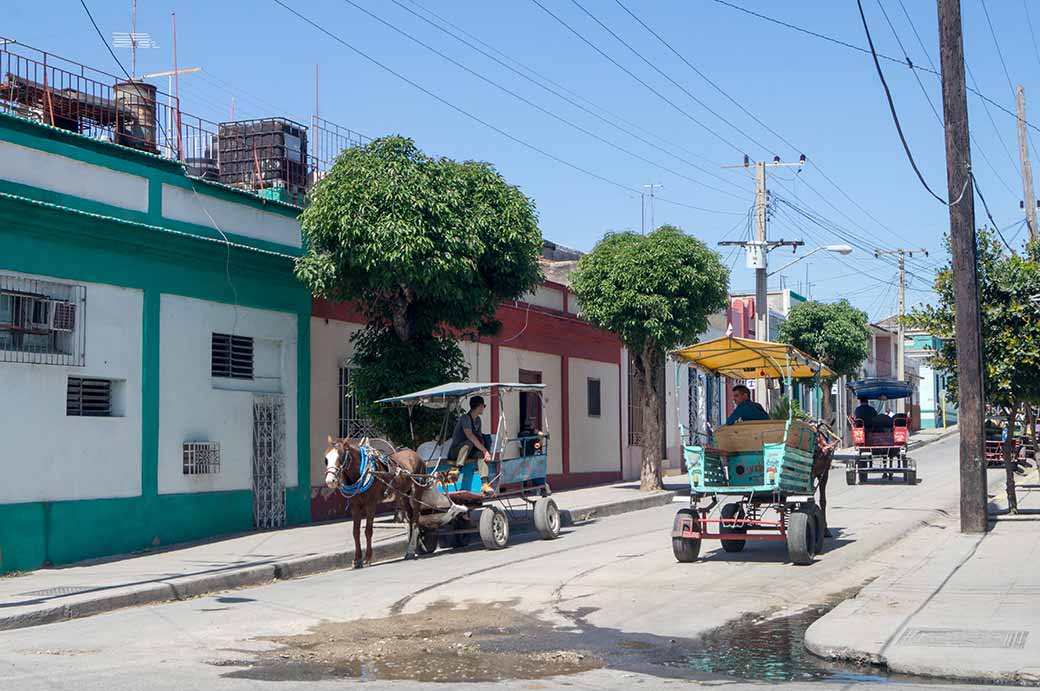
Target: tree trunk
[[648, 364], [825, 401], [1010, 464], [1032, 436]]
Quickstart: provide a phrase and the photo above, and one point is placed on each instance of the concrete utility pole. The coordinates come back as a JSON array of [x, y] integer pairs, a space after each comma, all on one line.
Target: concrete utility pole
[[967, 324], [1028, 200], [900, 329]]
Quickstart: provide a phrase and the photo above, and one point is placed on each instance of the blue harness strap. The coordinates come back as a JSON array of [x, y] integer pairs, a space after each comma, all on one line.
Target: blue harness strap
[[365, 478]]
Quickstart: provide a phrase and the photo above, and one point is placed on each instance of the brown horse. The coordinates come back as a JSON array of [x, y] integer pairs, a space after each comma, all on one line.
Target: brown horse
[[393, 476], [823, 453]]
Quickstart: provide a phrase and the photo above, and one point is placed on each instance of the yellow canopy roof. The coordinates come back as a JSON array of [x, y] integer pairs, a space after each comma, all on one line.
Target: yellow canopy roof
[[742, 358]]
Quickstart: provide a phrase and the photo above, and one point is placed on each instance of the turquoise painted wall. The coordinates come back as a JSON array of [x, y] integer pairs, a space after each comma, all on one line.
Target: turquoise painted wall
[[74, 240]]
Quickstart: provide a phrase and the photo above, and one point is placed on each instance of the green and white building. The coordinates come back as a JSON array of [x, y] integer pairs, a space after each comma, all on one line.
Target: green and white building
[[154, 353]]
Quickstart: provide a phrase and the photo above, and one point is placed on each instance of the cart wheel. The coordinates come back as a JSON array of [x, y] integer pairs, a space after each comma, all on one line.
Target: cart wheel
[[862, 476], [547, 518], [801, 537], [456, 539], [731, 511], [428, 540], [821, 527], [850, 477], [910, 477], [494, 527], [685, 549]]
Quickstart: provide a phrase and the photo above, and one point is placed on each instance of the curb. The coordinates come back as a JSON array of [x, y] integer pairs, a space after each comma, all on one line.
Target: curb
[[197, 586]]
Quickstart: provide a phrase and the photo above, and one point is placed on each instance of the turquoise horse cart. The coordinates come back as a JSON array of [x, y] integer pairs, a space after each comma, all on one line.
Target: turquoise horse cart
[[453, 507], [761, 472]]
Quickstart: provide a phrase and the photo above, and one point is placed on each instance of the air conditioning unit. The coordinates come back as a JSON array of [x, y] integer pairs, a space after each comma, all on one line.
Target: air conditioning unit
[[62, 316]]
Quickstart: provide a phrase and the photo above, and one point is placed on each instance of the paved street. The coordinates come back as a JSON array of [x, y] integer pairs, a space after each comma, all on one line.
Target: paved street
[[607, 601]]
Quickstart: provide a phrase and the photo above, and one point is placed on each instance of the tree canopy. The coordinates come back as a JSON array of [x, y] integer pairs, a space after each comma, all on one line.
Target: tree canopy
[[835, 333], [652, 290], [426, 248], [656, 292]]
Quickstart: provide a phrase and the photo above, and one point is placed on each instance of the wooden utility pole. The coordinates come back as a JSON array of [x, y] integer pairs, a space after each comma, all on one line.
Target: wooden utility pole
[[900, 329], [1028, 200], [967, 324]]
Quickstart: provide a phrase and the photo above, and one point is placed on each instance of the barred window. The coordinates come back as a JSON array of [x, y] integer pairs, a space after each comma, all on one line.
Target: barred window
[[351, 424], [201, 457], [40, 322], [89, 397], [232, 356]]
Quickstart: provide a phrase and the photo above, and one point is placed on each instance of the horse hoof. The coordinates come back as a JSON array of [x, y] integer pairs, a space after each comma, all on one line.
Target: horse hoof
[[358, 564]]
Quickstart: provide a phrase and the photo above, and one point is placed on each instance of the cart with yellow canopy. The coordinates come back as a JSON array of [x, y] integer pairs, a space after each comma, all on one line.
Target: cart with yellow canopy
[[761, 470]]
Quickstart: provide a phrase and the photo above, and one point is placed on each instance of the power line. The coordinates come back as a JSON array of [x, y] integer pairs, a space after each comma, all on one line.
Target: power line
[[624, 69], [978, 191], [451, 105], [103, 40], [1032, 36], [892, 106], [860, 49], [1003, 64], [555, 92]]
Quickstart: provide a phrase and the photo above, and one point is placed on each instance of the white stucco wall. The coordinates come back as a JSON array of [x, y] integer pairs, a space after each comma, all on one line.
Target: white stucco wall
[[545, 297], [595, 442], [510, 362], [180, 204], [193, 408], [49, 456], [29, 166]]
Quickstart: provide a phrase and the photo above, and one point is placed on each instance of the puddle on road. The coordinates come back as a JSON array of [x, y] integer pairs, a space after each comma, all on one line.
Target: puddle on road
[[494, 642]]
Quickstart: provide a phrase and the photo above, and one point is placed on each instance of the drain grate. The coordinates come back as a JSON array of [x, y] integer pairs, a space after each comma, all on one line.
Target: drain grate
[[964, 638], [60, 590]]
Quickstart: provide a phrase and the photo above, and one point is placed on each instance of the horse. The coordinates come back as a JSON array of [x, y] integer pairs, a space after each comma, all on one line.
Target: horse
[[390, 475], [823, 454]]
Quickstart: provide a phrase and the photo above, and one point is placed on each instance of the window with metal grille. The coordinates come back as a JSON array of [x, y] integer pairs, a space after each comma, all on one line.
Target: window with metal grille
[[232, 356], [592, 386], [201, 457], [351, 424], [89, 397], [40, 322]]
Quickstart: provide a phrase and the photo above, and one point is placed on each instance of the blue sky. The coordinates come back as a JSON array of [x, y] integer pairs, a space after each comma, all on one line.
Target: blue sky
[[823, 98]]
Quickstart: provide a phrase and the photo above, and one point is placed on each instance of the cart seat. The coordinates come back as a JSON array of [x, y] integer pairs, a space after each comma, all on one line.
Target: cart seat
[[432, 452]]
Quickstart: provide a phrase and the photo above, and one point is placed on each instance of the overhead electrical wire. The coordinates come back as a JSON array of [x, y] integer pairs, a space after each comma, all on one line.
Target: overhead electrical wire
[[458, 109], [104, 41], [861, 49], [772, 131], [558, 94]]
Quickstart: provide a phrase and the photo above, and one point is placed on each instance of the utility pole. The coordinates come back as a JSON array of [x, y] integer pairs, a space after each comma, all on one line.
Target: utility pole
[[1028, 200], [967, 323], [652, 187], [758, 249], [900, 329]]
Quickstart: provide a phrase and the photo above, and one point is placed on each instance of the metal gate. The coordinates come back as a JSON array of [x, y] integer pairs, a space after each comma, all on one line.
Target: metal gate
[[268, 461]]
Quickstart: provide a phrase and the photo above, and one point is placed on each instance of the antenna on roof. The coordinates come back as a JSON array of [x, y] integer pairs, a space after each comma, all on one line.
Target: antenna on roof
[[133, 40]]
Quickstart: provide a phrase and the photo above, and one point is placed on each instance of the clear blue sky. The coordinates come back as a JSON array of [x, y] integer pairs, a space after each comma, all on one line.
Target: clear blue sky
[[823, 98]]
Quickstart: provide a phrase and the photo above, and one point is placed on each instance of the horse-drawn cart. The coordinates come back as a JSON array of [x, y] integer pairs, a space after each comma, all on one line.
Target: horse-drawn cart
[[881, 441], [765, 468], [453, 506]]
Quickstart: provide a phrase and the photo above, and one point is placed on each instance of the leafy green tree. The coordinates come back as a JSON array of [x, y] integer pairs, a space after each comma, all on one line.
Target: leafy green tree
[[427, 248], [1010, 332], [835, 333], [655, 291]]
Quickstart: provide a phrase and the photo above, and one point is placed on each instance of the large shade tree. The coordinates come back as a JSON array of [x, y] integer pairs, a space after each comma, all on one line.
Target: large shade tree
[[835, 333], [656, 292], [1010, 321], [426, 248]]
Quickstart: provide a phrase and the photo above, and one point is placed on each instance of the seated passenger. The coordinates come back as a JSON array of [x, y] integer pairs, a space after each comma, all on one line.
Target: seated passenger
[[468, 443], [746, 409], [880, 423], [865, 412]]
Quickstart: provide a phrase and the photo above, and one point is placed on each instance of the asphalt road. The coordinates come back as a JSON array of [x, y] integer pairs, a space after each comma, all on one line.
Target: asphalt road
[[606, 601]]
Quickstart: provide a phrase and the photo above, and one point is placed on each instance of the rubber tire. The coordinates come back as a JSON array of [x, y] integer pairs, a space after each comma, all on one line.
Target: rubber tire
[[850, 477], [910, 477], [801, 537], [428, 541], [731, 511], [494, 528], [862, 477], [685, 549], [547, 518], [821, 528]]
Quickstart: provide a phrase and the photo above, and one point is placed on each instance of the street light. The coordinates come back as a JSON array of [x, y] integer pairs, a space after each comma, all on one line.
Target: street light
[[837, 249]]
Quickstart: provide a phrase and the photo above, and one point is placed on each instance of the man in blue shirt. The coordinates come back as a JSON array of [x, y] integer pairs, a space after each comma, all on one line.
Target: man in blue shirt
[[746, 410]]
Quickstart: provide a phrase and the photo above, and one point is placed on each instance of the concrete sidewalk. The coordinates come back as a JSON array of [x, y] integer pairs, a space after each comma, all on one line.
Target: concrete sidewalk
[[951, 605], [181, 572]]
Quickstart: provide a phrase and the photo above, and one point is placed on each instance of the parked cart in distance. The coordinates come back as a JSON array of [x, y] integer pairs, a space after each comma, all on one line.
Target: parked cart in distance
[[881, 440]]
